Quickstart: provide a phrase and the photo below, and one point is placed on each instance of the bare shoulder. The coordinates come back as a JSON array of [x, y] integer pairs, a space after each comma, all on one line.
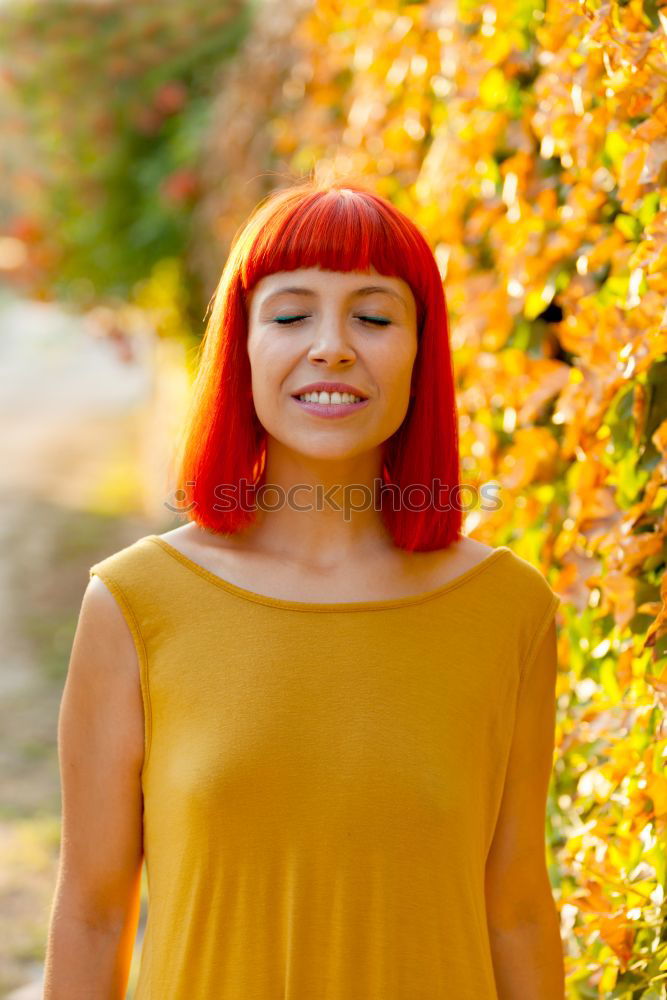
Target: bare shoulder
[[187, 534], [190, 539], [459, 557], [102, 625], [470, 551], [437, 567], [216, 552]]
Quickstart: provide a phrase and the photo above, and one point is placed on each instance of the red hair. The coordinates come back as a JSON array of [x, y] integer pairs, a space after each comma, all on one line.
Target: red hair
[[337, 226]]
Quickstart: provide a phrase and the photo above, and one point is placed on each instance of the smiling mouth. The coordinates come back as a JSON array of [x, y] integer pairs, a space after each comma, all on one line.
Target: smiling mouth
[[335, 398], [328, 409]]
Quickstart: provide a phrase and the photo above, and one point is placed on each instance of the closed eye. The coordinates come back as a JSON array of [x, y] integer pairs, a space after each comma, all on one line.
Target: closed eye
[[377, 320], [288, 320], [291, 320]]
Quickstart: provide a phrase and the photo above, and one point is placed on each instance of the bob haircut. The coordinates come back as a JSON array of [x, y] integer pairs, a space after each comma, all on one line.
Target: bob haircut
[[336, 226]]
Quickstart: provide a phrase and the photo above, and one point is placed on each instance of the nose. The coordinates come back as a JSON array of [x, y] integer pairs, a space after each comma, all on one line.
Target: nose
[[332, 346]]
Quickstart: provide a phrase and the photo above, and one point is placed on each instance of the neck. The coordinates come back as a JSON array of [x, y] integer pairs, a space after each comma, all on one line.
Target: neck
[[320, 512]]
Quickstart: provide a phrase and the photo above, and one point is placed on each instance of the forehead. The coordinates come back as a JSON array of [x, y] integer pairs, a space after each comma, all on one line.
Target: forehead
[[318, 281]]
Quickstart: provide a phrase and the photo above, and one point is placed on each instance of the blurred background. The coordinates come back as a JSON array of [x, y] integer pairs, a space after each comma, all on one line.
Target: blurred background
[[529, 141]]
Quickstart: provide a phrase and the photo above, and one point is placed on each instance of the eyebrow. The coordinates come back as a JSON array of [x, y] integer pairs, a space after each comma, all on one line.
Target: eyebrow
[[366, 290]]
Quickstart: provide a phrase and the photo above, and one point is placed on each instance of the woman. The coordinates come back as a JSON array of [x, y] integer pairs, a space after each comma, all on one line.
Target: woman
[[323, 715]]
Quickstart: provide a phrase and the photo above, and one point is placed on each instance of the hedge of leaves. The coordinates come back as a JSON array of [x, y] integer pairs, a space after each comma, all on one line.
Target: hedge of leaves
[[530, 143], [102, 109]]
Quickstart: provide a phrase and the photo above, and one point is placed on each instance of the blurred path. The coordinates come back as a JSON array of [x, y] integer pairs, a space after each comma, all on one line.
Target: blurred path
[[69, 410], [63, 399]]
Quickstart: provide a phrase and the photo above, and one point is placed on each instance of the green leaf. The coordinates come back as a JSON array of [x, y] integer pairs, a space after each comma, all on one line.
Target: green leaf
[[630, 226]]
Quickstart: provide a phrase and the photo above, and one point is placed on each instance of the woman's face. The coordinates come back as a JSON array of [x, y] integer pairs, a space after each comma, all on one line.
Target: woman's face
[[353, 327]]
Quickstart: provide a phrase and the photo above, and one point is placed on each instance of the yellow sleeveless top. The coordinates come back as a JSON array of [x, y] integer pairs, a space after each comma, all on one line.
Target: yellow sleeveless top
[[321, 781]]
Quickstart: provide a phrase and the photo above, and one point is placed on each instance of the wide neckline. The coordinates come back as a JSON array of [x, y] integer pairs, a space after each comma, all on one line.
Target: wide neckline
[[279, 602]]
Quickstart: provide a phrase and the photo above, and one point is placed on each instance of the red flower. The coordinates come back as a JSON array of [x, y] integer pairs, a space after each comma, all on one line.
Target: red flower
[[182, 185], [170, 97]]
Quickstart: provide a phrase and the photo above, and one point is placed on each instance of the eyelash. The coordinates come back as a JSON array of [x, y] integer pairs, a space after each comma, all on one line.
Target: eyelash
[[297, 319]]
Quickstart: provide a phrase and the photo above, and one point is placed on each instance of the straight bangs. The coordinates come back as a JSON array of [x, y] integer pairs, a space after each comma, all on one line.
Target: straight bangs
[[221, 459], [336, 230]]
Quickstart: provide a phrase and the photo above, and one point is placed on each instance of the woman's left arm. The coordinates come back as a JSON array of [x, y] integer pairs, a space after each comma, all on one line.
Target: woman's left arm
[[522, 918]]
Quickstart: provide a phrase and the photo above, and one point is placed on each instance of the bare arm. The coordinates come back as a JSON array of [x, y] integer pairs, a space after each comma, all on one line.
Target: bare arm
[[521, 913], [95, 909]]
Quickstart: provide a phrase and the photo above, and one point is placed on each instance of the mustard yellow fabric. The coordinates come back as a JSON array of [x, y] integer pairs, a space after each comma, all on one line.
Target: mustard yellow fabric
[[321, 781]]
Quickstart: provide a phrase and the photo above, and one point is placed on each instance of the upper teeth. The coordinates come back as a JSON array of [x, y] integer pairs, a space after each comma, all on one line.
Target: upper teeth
[[329, 397]]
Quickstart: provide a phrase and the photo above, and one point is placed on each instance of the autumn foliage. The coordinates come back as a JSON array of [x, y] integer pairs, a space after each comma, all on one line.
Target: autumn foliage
[[102, 108]]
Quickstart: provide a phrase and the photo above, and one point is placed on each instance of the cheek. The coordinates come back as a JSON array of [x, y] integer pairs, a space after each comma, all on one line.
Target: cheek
[[270, 367], [394, 369], [263, 360]]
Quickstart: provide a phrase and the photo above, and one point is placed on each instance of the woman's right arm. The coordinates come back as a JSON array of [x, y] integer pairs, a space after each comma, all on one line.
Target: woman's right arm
[[95, 910]]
